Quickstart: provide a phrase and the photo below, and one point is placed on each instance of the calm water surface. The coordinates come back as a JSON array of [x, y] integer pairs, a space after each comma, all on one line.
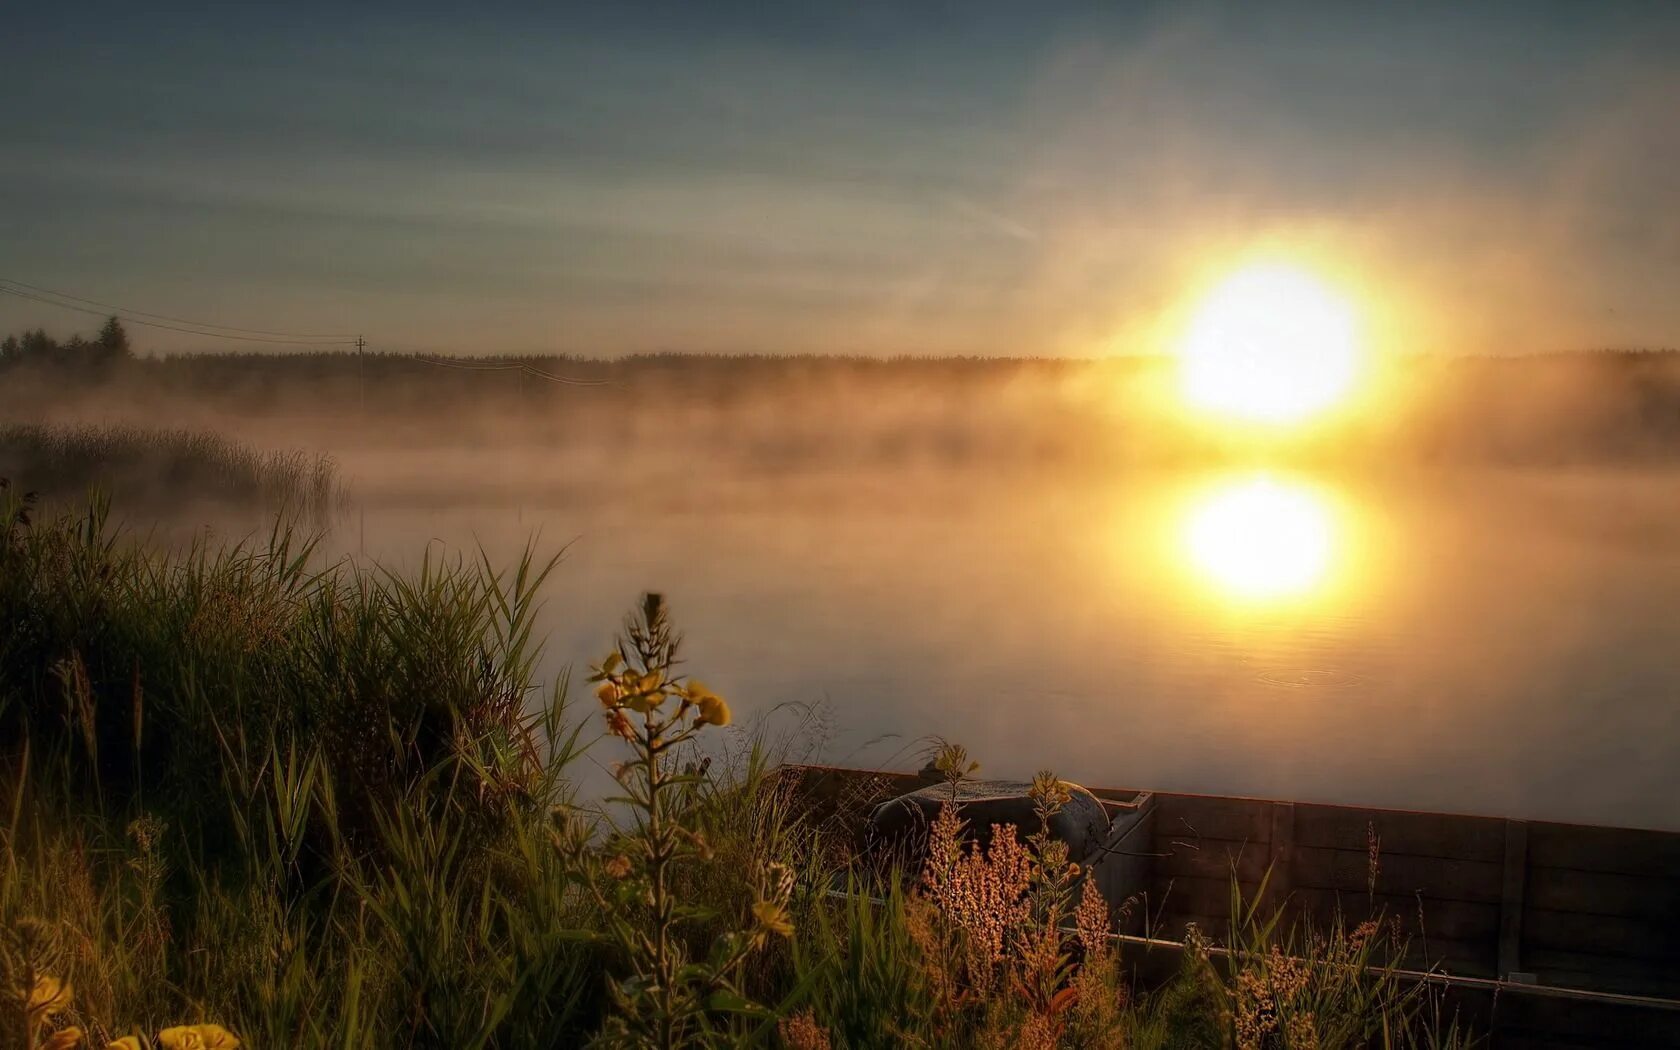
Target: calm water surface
[[1504, 643]]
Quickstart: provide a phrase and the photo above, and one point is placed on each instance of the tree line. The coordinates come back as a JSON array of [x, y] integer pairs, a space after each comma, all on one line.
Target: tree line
[[108, 348]]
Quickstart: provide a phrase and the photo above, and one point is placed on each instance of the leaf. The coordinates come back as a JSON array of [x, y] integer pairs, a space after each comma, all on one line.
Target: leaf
[[731, 1002]]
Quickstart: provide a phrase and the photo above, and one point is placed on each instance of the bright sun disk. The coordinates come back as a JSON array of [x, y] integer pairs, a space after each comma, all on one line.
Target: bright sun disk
[[1270, 343]]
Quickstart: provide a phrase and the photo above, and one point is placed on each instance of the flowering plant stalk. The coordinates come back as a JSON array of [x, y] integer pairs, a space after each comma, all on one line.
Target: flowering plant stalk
[[667, 998]]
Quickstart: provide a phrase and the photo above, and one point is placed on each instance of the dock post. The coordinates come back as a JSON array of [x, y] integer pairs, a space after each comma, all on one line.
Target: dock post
[[1511, 902]]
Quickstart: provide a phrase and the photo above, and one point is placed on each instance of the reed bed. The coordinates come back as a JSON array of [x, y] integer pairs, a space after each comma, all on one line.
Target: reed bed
[[249, 798], [141, 465]]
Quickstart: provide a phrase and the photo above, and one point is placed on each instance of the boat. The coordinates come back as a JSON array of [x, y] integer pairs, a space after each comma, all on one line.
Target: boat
[[1541, 934]]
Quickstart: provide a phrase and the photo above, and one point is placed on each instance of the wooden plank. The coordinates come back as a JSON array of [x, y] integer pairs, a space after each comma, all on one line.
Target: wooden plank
[[1208, 903], [1281, 863], [1511, 897], [1653, 854], [1541, 1041], [1435, 878], [1600, 935], [1604, 893], [1417, 834], [1189, 817], [1513, 1015], [1605, 973], [1453, 920], [1600, 981], [1203, 896], [1460, 958], [1593, 1023], [1209, 859]]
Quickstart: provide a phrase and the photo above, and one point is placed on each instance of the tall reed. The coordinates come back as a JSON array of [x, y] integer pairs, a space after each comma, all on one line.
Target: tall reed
[[250, 796]]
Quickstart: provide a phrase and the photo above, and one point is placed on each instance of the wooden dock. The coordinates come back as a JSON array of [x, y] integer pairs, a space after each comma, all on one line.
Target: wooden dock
[[1555, 934]]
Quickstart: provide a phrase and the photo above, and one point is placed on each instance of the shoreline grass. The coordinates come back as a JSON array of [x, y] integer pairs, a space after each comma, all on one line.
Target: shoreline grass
[[325, 805], [148, 466]]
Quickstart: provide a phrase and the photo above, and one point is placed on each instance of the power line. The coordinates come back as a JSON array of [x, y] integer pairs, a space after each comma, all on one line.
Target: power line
[[178, 320], [50, 297], [169, 327]]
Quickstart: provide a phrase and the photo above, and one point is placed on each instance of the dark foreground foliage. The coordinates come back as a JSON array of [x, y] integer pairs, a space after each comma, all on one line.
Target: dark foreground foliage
[[246, 797]]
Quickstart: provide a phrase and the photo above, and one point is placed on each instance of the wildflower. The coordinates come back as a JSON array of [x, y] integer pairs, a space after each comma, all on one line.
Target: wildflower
[[1092, 922], [713, 710], [1303, 1031], [953, 763], [1049, 792], [779, 878], [198, 1037], [609, 693], [802, 1032], [610, 664], [618, 725], [127, 1042], [48, 998], [773, 917], [1037, 1033], [65, 1039], [618, 867], [1362, 933], [694, 690]]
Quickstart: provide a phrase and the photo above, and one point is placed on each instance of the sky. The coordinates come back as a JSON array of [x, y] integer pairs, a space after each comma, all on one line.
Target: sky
[[932, 178]]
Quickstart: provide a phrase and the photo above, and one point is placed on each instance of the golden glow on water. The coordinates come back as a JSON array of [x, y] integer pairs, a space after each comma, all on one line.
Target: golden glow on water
[[1271, 343], [1259, 539]]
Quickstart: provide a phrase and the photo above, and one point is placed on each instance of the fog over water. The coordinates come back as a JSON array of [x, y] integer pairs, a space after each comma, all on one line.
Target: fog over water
[[1503, 651], [1487, 637]]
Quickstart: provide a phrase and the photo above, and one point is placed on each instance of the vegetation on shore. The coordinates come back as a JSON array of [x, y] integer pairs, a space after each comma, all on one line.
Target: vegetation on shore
[[141, 465], [790, 413], [250, 799]]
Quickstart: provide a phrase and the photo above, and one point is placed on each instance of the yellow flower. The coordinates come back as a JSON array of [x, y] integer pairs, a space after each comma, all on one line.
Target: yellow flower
[[609, 694], [618, 867], [198, 1037], [48, 998], [216, 1037], [65, 1039], [642, 701], [713, 709], [610, 664], [127, 1042], [773, 917]]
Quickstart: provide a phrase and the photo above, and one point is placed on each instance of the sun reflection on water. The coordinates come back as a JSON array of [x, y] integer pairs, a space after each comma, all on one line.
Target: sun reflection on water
[[1259, 539]]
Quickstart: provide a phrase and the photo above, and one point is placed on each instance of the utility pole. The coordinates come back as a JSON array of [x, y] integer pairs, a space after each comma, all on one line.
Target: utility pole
[[361, 392]]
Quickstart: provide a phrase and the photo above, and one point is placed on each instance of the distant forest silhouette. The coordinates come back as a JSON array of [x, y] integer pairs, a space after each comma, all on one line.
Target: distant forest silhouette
[[797, 412], [76, 354]]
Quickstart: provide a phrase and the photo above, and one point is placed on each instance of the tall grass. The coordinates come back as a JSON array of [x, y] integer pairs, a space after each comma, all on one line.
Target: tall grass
[[139, 464], [249, 795]]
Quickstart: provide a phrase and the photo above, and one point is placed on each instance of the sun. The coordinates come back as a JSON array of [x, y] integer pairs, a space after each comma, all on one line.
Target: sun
[[1271, 343], [1261, 539]]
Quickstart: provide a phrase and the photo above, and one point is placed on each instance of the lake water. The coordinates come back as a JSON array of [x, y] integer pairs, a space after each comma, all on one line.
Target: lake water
[[1497, 642]]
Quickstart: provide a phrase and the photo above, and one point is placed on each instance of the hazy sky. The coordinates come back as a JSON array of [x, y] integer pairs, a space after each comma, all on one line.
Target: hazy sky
[[940, 178]]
